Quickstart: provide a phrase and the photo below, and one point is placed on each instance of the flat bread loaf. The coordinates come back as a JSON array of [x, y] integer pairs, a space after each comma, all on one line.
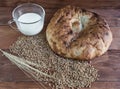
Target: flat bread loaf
[[78, 33]]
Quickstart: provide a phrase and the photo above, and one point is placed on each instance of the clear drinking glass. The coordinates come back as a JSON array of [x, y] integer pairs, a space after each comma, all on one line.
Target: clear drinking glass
[[29, 18]]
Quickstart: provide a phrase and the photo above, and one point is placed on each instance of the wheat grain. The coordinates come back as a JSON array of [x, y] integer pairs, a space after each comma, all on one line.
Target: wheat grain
[[65, 72]]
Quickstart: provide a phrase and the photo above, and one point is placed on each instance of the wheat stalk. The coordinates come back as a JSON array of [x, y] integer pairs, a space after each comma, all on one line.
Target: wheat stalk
[[23, 64]]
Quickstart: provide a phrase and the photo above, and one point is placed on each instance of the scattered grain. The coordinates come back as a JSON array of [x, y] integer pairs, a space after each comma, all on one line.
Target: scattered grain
[[68, 73]]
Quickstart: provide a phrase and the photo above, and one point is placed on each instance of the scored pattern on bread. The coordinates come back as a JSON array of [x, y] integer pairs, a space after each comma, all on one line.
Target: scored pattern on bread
[[78, 33]]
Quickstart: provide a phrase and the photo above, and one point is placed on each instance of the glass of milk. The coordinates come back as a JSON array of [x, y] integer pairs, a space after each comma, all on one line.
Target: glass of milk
[[29, 18]]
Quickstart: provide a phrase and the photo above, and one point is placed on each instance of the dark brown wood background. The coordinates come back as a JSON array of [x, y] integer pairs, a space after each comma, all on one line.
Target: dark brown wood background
[[11, 77]]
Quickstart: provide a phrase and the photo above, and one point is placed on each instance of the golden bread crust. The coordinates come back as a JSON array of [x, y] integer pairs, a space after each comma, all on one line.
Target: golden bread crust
[[78, 34]]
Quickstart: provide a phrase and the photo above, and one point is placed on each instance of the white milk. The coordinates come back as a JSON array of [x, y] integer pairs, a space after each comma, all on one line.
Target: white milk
[[30, 23]]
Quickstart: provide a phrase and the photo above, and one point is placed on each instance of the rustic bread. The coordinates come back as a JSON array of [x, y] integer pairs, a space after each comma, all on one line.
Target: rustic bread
[[78, 34]]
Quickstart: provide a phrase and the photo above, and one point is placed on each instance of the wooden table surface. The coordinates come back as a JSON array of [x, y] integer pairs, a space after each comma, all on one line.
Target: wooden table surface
[[11, 77]]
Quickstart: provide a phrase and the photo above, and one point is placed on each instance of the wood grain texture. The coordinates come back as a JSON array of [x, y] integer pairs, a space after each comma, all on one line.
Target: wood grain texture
[[60, 3], [111, 15], [10, 36], [11, 77], [33, 85], [7, 36]]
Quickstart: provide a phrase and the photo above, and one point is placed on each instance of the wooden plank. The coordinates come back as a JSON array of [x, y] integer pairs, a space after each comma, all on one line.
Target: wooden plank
[[10, 72], [115, 45], [32, 85], [59, 3], [23, 85], [8, 36], [111, 15], [108, 66]]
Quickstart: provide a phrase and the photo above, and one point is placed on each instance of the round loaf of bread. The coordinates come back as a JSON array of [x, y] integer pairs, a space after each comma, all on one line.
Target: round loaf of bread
[[78, 34]]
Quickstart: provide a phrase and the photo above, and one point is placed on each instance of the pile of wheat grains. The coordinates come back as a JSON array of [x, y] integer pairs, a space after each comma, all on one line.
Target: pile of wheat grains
[[67, 72]]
